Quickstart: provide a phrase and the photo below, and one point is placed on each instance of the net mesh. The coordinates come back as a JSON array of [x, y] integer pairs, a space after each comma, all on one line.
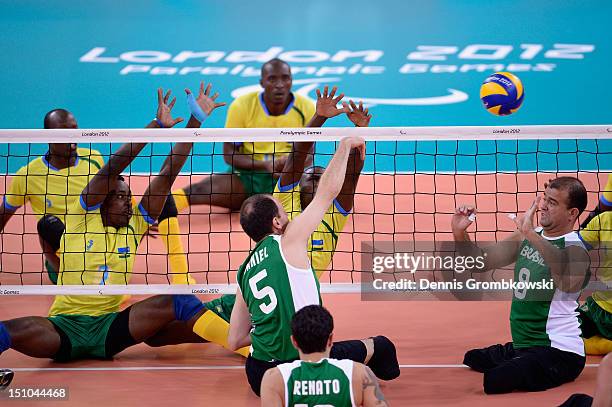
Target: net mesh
[[411, 182]]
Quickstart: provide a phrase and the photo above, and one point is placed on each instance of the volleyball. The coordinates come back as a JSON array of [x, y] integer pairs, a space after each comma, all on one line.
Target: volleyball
[[502, 93]]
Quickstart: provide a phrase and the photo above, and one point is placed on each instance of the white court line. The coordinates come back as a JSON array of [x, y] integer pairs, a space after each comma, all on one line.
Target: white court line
[[221, 367]]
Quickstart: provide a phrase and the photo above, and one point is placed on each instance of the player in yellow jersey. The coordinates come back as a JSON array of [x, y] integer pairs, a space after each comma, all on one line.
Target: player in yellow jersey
[[604, 204], [596, 312], [253, 165], [295, 190], [102, 232], [297, 186], [605, 199], [54, 181]]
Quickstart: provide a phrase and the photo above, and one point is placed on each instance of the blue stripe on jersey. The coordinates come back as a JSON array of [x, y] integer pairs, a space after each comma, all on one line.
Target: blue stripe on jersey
[[9, 206], [89, 208], [145, 214]]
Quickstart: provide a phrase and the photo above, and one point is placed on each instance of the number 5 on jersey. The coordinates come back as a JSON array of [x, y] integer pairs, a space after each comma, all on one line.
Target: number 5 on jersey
[[265, 291]]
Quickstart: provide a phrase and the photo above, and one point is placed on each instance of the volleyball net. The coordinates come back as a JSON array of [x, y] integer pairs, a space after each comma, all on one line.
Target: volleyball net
[[412, 180]]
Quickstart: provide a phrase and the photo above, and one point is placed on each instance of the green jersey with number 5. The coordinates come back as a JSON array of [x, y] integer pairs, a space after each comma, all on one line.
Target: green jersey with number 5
[[541, 314], [274, 291]]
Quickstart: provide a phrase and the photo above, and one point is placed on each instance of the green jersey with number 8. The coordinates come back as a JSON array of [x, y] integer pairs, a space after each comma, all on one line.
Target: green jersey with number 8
[[274, 291], [541, 314]]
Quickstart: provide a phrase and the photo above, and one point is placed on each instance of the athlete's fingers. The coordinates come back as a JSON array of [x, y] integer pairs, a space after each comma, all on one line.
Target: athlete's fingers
[[339, 98], [333, 92], [171, 105]]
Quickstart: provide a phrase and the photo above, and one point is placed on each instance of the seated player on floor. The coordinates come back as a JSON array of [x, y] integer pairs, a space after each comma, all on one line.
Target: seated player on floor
[[295, 190], [316, 379], [52, 183], [91, 327], [596, 312], [276, 280], [254, 166], [546, 349]]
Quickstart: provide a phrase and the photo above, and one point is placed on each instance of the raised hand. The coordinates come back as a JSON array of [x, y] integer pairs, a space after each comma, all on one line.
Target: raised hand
[[326, 103], [164, 110], [462, 218], [206, 102], [358, 115], [355, 142], [525, 222]]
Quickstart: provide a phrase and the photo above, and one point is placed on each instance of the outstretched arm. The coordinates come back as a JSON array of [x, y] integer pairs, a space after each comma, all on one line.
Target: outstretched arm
[[325, 109], [299, 230], [240, 324], [496, 256], [155, 196], [95, 192], [361, 118]]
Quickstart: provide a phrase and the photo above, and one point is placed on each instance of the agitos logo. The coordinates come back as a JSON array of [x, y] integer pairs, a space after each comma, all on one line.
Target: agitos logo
[[324, 67]]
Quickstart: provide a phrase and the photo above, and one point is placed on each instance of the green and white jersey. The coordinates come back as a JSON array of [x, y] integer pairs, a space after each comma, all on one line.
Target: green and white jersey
[[328, 382], [274, 291], [541, 314]]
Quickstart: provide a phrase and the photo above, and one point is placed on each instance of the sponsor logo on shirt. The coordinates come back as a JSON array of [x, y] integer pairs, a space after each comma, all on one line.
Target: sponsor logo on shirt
[[124, 252]]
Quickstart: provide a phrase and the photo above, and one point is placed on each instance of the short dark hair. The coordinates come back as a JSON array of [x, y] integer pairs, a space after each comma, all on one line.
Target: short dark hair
[[576, 192], [62, 112], [311, 327], [256, 215], [273, 61]]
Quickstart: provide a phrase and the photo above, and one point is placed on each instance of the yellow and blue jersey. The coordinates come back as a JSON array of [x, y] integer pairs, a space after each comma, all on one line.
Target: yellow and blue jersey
[[49, 190], [606, 195], [93, 254], [250, 111], [598, 234], [322, 244]]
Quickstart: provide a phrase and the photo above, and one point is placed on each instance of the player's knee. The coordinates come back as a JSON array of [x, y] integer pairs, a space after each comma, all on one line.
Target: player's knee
[[153, 343], [186, 306], [470, 358], [169, 210], [5, 337], [50, 229], [384, 361]]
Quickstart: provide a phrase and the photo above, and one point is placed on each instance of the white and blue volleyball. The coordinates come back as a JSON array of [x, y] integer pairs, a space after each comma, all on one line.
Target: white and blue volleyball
[[502, 93]]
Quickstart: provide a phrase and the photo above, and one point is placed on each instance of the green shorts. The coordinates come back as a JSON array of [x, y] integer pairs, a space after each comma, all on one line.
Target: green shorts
[[83, 336], [256, 182], [595, 320], [222, 306]]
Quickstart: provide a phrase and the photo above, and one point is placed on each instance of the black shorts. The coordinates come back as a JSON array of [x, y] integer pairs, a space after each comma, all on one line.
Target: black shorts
[[529, 369], [255, 368]]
